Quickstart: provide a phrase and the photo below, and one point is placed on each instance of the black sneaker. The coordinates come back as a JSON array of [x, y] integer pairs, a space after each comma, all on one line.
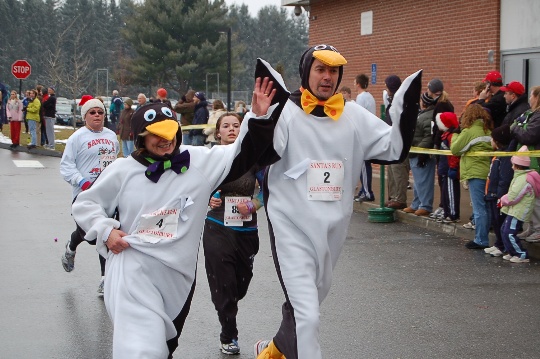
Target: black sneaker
[[474, 245]]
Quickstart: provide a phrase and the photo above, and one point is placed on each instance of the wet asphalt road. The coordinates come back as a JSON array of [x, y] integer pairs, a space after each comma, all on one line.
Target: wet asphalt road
[[399, 291]]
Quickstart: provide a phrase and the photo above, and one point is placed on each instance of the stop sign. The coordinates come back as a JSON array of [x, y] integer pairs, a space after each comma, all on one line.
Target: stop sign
[[21, 69]]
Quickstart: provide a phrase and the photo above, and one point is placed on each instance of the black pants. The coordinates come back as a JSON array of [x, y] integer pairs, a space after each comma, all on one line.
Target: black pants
[[179, 321], [228, 256], [77, 237], [497, 219]]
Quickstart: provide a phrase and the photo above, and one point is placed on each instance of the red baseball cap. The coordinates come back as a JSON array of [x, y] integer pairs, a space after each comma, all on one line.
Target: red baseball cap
[[515, 87], [494, 78]]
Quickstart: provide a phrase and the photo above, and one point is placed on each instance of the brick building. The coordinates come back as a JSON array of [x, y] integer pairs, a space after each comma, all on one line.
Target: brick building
[[458, 41]]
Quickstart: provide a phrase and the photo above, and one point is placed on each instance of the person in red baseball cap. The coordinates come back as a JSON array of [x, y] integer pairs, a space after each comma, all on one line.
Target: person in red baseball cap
[[514, 95], [492, 98]]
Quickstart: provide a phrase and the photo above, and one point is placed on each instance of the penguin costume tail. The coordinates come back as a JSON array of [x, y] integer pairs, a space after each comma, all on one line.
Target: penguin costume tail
[[404, 112], [264, 69]]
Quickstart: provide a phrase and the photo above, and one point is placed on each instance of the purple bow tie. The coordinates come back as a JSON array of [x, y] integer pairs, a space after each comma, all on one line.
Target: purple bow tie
[[179, 164]]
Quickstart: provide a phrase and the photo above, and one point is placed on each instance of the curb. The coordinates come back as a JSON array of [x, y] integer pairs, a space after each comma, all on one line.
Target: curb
[[453, 229], [36, 151]]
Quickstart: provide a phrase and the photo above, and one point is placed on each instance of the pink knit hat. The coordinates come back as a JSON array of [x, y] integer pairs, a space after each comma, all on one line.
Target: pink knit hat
[[524, 161]]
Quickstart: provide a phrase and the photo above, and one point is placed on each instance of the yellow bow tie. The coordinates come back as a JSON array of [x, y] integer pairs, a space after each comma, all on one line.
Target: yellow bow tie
[[333, 107]]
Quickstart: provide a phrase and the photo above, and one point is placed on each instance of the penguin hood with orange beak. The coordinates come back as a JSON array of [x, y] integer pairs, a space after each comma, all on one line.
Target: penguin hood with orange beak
[[159, 120]]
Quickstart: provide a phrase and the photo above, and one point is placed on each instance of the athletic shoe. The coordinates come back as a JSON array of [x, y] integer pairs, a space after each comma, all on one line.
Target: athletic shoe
[[101, 285], [533, 238], [363, 198], [507, 257], [450, 220], [526, 233], [496, 253], [474, 245], [68, 259], [490, 249], [231, 348], [468, 225], [435, 214], [260, 346], [516, 259]]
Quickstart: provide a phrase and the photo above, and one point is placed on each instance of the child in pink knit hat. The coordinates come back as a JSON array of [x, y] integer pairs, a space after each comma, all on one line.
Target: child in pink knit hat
[[518, 205]]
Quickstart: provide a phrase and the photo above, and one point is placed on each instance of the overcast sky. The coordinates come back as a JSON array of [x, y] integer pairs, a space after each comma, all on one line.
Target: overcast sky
[[254, 5]]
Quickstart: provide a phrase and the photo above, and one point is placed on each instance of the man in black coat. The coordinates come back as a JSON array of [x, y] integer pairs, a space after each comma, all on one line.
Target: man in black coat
[[496, 105], [517, 101]]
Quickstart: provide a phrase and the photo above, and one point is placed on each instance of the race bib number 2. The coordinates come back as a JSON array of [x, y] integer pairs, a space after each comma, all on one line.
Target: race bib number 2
[[325, 180]]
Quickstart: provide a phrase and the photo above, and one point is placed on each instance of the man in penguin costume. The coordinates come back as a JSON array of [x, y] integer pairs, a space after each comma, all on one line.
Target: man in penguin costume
[[320, 144], [160, 195]]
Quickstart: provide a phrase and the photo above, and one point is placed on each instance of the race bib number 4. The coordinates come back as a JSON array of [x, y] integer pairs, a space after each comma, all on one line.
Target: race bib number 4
[[232, 216], [325, 180], [158, 225]]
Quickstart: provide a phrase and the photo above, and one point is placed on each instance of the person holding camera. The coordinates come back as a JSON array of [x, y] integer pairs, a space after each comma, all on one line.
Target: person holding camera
[[492, 98]]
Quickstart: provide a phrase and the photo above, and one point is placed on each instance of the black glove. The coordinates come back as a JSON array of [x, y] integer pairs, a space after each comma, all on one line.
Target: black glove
[[423, 160], [454, 130]]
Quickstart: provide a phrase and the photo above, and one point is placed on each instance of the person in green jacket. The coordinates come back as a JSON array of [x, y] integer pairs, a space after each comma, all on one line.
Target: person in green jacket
[[32, 115], [518, 205], [476, 125]]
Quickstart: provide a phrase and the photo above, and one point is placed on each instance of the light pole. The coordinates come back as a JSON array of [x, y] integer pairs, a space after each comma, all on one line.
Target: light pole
[[229, 33], [229, 68]]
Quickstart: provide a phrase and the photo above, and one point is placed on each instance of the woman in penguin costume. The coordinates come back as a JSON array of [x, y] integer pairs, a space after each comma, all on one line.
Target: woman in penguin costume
[[319, 147], [161, 194]]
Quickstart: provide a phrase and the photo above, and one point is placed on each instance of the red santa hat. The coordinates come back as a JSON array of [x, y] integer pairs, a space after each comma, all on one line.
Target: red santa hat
[[84, 99], [446, 120]]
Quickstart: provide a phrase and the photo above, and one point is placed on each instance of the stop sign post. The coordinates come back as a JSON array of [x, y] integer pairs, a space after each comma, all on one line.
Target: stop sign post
[[21, 69]]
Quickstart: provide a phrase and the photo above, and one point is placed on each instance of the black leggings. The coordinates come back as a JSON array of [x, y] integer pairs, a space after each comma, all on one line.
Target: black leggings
[[77, 237]]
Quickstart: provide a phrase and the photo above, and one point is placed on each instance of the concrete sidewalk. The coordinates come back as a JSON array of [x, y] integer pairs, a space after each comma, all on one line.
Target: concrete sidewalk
[[455, 229]]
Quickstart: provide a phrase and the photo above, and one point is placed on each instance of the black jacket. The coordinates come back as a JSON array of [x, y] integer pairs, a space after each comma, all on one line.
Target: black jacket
[[200, 117], [49, 107], [516, 109], [496, 107]]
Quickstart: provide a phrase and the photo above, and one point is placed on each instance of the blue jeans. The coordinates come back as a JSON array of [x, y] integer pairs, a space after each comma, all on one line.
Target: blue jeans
[[424, 184], [127, 147], [197, 140], [32, 126], [185, 139], [480, 208]]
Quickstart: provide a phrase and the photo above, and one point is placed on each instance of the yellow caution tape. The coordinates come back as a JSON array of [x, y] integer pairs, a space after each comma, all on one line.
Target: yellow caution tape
[[196, 127], [430, 151]]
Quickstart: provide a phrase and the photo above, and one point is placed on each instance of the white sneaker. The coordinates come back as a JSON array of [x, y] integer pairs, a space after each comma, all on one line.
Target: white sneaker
[[435, 213], [496, 252], [101, 285], [507, 257], [468, 226], [260, 346], [533, 238], [516, 259], [490, 249]]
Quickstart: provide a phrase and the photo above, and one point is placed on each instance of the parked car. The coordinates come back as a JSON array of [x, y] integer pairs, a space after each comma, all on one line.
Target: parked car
[[64, 114], [67, 113]]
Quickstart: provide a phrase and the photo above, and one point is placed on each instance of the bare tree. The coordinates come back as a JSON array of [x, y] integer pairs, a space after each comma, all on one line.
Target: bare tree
[[70, 70]]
